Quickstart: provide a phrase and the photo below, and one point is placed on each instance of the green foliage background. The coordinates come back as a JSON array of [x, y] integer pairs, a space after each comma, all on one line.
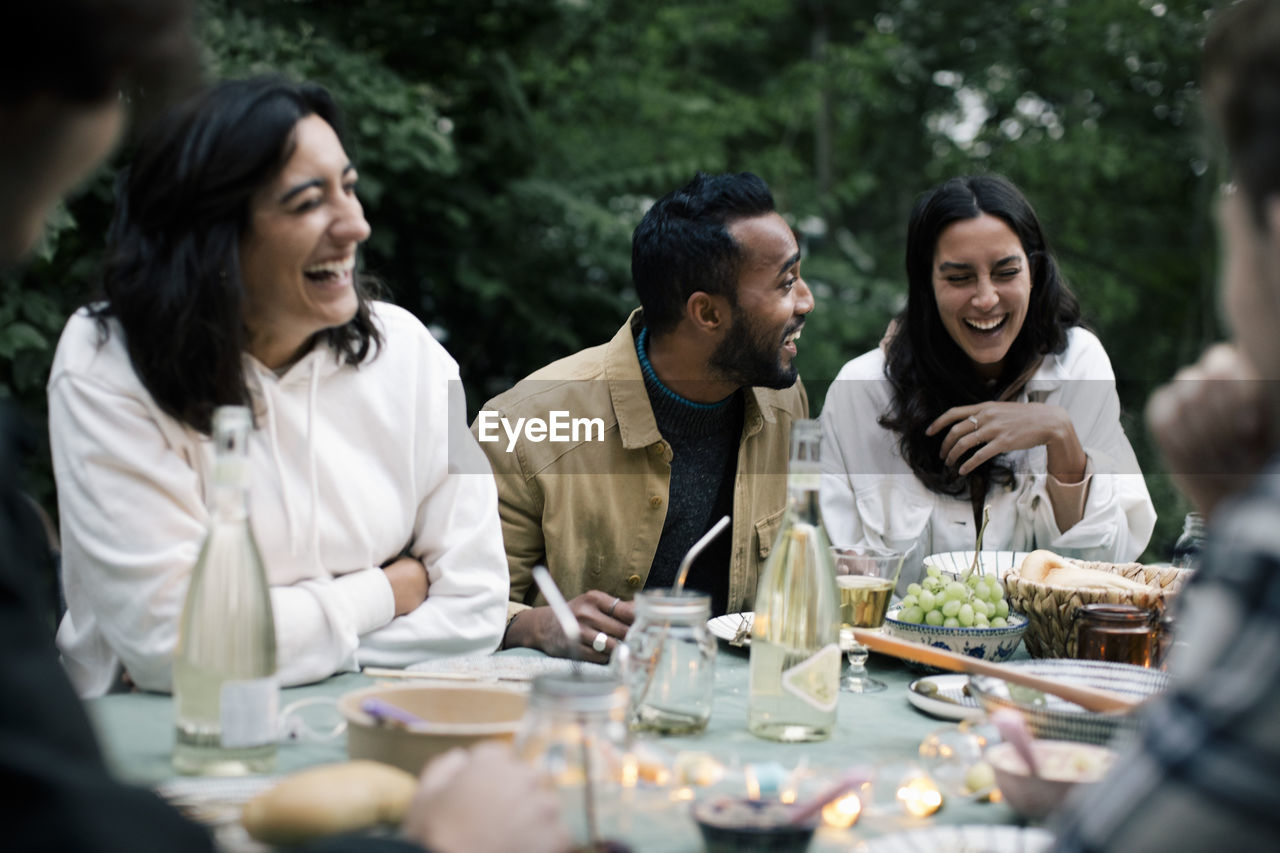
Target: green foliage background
[[507, 148]]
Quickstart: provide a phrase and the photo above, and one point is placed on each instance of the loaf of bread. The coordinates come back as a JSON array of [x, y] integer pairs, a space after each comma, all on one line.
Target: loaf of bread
[[1048, 568], [327, 800]]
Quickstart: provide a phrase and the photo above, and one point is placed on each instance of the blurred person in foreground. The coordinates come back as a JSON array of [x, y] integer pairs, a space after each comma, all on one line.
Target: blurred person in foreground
[[695, 397], [986, 390], [232, 279], [1204, 773], [63, 68]]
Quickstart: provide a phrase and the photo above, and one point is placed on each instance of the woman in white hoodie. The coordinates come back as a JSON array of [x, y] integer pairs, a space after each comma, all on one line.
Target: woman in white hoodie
[[231, 279], [987, 391]]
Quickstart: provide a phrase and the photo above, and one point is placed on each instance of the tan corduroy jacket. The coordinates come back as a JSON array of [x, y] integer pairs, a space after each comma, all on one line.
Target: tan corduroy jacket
[[592, 510]]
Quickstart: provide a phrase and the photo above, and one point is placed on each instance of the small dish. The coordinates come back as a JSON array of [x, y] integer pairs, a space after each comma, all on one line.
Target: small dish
[[1062, 766], [743, 825], [943, 696], [733, 628], [452, 715]]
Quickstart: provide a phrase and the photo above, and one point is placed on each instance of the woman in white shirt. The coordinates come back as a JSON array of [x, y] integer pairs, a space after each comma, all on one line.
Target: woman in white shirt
[[231, 280], [985, 392]]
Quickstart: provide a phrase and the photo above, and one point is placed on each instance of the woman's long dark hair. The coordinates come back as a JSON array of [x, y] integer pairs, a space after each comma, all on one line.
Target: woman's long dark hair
[[172, 273], [928, 371]]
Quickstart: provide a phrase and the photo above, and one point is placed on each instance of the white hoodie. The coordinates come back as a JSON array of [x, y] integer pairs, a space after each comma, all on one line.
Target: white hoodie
[[350, 466], [870, 496]]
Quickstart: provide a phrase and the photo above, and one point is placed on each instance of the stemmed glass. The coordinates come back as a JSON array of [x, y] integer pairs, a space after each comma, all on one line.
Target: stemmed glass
[[866, 578]]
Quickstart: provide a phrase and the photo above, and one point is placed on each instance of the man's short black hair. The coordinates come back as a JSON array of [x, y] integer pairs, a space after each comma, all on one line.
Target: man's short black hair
[[682, 245]]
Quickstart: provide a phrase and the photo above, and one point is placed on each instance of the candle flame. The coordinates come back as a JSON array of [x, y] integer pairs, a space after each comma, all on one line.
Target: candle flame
[[842, 813], [630, 771], [919, 797]]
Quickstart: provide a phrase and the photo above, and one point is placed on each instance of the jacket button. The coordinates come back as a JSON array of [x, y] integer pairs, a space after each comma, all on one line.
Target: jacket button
[[655, 501], [634, 581]]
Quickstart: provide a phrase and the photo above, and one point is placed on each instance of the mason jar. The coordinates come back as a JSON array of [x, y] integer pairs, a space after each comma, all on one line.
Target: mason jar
[[669, 662], [1121, 633], [576, 731], [1190, 544]]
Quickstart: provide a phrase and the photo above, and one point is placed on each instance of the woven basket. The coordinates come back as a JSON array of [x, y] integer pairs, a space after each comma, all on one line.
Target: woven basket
[[1050, 609]]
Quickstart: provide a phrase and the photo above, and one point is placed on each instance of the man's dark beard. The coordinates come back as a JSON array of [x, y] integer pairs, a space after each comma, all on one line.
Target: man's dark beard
[[748, 356]]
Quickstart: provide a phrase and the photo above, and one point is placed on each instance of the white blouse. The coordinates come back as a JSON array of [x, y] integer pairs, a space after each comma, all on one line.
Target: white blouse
[[870, 496]]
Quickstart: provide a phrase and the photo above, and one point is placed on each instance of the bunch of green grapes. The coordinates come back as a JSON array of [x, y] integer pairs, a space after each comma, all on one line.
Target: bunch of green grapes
[[978, 602]]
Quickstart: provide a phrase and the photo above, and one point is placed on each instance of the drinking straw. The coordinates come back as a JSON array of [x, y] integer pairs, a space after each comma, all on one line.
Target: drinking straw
[[697, 548]]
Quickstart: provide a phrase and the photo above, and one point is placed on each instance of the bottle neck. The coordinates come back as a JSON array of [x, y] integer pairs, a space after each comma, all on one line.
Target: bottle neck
[[804, 481], [802, 502], [230, 499]]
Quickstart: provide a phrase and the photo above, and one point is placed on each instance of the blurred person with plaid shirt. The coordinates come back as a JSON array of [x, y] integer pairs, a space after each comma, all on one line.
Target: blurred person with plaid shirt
[[1204, 771]]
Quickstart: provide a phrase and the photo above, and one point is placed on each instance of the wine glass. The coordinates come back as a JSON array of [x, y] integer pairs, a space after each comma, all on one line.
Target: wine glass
[[866, 577]]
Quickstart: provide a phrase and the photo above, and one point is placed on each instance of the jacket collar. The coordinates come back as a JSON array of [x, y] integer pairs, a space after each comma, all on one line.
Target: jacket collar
[[1049, 377], [636, 425]]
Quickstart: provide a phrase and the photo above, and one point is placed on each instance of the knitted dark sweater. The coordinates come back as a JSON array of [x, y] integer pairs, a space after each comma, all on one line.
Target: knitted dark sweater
[[704, 444]]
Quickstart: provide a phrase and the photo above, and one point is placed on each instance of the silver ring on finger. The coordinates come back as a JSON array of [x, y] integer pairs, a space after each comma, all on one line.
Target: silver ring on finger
[[974, 420], [613, 606], [600, 642]]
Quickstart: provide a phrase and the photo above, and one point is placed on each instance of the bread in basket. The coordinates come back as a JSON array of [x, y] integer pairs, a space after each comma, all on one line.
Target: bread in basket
[[1050, 604]]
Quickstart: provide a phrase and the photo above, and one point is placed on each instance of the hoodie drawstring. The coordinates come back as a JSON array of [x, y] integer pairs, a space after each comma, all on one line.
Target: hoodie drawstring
[[273, 435], [311, 455]]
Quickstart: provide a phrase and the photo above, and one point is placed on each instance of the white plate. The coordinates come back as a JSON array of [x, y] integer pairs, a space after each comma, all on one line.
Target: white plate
[[507, 667], [726, 627], [999, 562], [950, 685], [964, 839]]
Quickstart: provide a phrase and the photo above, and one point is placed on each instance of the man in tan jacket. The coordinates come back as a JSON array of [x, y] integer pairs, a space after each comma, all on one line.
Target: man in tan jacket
[[612, 462]]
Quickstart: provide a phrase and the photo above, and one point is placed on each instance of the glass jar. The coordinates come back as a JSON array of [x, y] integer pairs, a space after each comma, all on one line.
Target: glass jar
[[1190, 545], [1118, 632], [576, 731], [669, 663]]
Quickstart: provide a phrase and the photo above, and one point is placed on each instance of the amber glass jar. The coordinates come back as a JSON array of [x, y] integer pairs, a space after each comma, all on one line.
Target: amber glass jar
[[1118, 632]]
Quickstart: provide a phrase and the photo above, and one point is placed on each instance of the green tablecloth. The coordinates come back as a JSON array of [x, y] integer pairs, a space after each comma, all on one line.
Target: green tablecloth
[[137, 733]]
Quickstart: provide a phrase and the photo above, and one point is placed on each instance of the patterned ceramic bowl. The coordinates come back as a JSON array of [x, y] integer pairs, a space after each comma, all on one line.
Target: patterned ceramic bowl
[[1053, 718], [993, 644]]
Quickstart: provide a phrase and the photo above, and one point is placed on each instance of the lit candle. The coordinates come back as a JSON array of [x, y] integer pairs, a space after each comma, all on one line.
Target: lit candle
[[630, 774], [842, 813], [919, 796]]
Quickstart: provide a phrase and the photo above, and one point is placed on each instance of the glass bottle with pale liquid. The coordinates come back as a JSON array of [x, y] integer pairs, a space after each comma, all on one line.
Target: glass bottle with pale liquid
[[225, 692], [795, 650]]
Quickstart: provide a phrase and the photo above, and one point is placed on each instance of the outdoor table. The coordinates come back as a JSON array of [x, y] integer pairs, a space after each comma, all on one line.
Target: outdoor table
[[137, 734]]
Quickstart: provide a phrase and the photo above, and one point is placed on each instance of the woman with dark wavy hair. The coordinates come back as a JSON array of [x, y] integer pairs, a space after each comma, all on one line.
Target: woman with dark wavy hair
[[231, 280], [986, 391]]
